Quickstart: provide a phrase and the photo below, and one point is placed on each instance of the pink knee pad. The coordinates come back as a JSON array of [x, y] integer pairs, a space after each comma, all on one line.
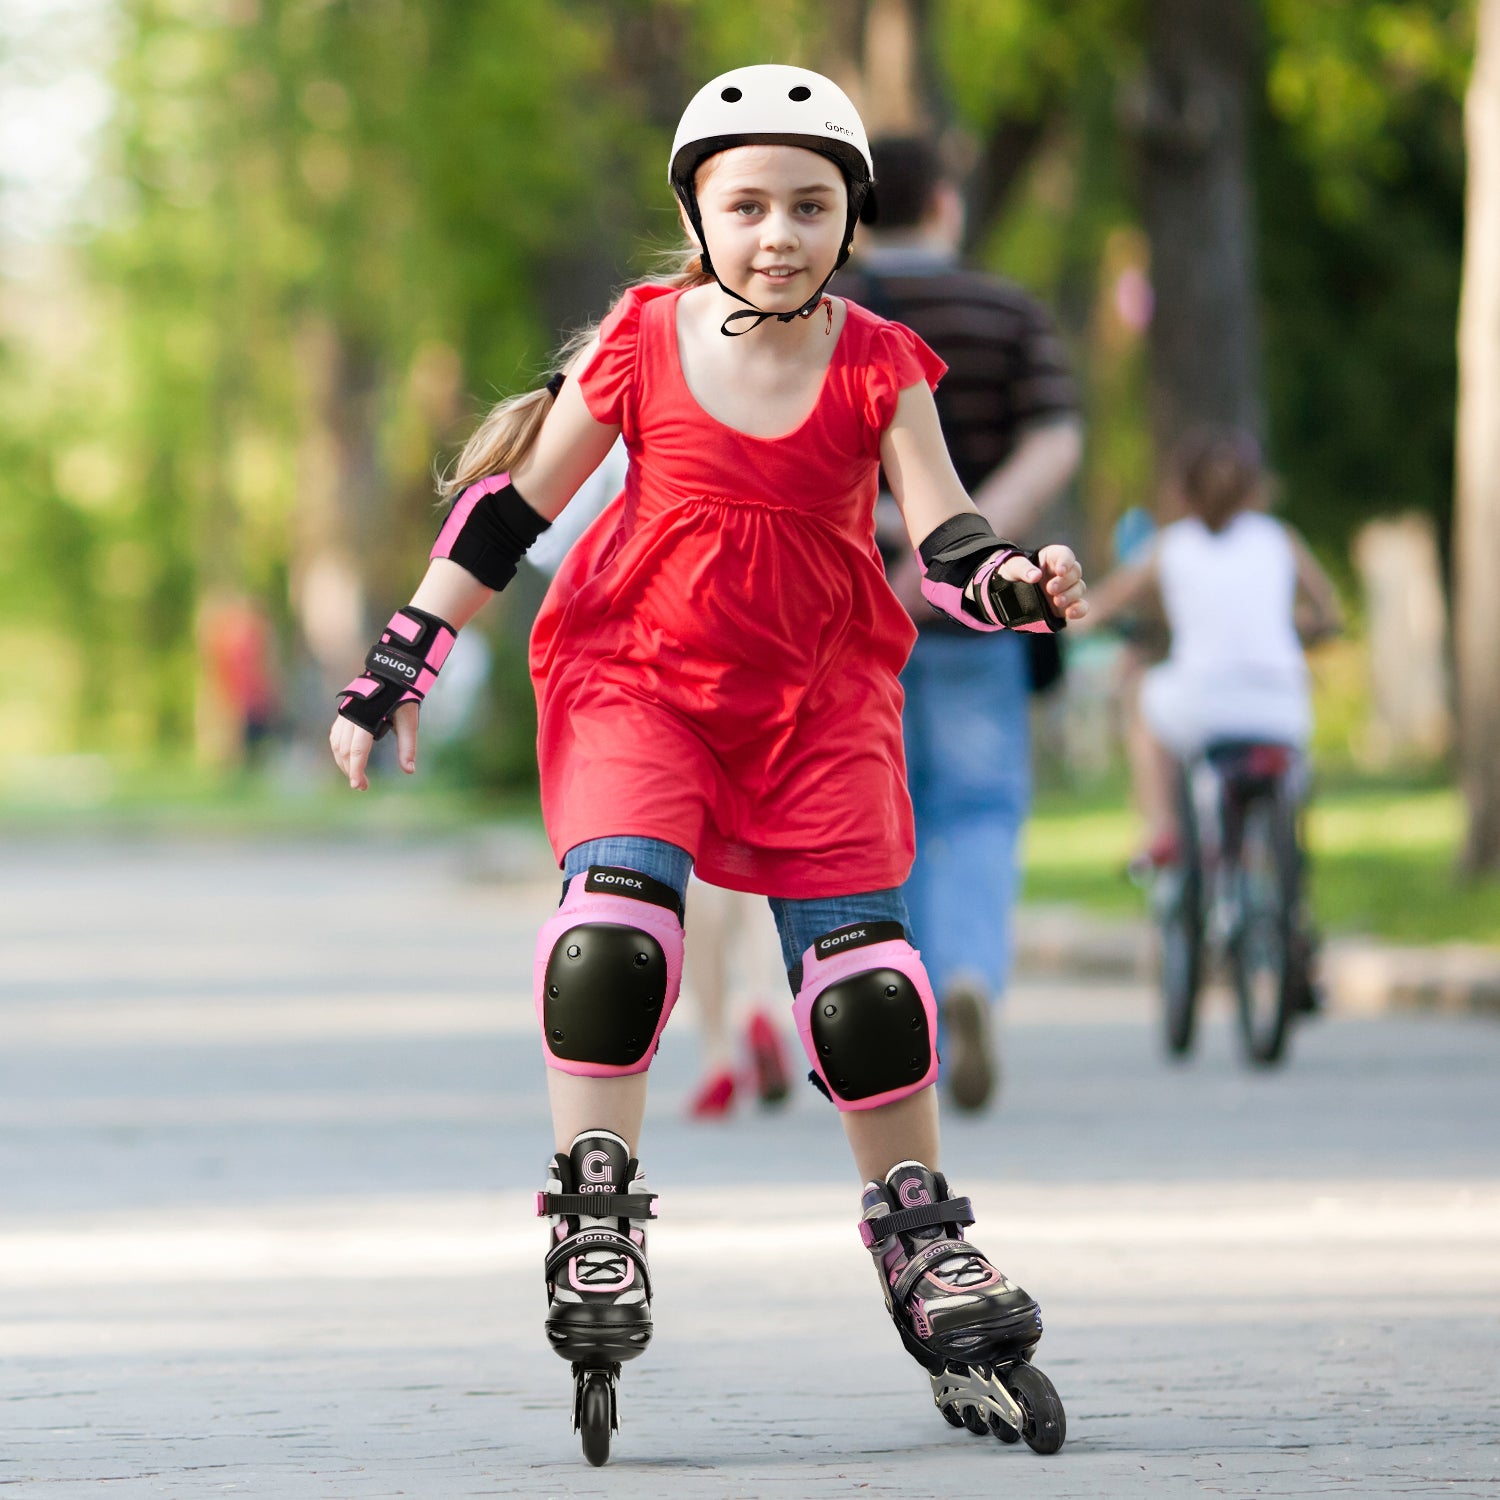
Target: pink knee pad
[[607, 972], [866, 1015]]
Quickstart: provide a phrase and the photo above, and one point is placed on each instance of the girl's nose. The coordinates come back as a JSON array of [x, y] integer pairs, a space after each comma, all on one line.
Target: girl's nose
[[777, 230]]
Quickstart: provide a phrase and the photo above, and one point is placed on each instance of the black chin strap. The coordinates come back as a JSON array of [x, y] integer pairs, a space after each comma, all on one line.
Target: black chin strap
[[754, 315]]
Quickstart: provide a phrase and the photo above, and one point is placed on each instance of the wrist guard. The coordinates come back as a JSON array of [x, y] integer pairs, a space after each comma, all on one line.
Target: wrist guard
[[401, 667], [488, 531], [961, 562]]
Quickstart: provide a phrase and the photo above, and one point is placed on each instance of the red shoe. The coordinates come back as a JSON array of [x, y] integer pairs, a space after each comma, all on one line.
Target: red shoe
[[767, 1060], [1161, 853], [715, 1097]]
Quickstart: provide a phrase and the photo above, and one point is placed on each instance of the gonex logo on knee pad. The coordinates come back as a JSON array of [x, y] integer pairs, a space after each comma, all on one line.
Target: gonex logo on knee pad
[[840, 940]]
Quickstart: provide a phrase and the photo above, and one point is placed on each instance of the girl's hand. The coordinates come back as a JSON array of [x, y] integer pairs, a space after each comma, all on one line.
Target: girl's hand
[[1059, 574], [351, 745]]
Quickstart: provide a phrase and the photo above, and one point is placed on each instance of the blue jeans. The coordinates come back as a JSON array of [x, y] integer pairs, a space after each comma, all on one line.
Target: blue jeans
[[968, 764], [797, 922]]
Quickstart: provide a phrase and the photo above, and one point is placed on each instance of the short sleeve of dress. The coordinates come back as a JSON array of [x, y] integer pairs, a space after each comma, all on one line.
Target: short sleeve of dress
[[898, 360], [607, 380]]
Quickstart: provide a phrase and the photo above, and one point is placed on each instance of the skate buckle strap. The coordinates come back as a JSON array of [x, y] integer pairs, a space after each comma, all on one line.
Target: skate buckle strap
[[925, 1216], [597, 1205], [923, 1261], [586, 1240]]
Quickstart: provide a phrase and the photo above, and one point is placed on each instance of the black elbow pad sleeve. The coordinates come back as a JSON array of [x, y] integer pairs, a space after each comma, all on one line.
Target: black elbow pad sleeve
[[488, 530]]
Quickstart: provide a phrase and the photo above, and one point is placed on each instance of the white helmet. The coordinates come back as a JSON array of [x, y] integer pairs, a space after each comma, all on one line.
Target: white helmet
[[769, 104]]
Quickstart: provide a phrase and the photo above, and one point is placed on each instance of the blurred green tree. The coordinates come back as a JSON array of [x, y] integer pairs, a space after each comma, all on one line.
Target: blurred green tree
[[334, 229]]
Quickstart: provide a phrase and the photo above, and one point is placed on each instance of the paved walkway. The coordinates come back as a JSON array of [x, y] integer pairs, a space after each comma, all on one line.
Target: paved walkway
[[270, 1119]]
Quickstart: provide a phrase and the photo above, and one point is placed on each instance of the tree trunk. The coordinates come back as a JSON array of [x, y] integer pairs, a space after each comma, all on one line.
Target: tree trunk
[[1191, 117], [1477, 521]]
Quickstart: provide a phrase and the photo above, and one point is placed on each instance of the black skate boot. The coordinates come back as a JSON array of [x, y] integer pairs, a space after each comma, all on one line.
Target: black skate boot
[[970, 1327], [598, 1282]]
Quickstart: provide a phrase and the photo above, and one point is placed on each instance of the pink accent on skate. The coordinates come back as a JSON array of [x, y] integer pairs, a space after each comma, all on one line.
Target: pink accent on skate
[[913, 1194], [596, 1287], [974, 1286], [579, 906], [407, 628], [919, 1323], [459, 515], [818, 975]]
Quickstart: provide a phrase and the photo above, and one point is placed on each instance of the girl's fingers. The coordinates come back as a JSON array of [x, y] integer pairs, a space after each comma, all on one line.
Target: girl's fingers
[[405, 721], [1020, 569]]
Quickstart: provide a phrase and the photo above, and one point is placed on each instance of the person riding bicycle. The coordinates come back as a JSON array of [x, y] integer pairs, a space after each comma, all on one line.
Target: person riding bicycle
[[1242, 594]]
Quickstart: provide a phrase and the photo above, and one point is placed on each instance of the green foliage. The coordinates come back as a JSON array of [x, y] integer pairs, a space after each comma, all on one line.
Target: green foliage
[[1383, 861], [336, 228], [1361, 180]]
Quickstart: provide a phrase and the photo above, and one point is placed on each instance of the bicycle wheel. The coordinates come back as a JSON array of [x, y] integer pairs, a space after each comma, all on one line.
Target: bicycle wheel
[[1261, 957], [1178, 902]]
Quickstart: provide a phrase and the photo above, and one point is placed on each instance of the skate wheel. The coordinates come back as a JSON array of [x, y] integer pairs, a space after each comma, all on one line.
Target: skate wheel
[[594, 1418], [975, 1421], [951, 1416], [1002, 1429], [1045, 1424]]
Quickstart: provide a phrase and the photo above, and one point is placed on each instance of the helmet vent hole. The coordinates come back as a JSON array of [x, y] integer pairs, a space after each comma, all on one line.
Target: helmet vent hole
[[799, 93], [732, 95]]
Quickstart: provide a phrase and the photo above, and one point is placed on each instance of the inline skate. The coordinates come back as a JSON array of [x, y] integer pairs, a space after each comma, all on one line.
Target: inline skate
[[598, 1282], [971, 1328]]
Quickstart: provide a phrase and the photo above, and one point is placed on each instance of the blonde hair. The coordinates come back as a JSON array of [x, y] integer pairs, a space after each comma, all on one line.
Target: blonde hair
[[510, 427]]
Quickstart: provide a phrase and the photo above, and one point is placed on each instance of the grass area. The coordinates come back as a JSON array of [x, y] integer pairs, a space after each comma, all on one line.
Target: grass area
[[1383, 860], [87, 794]]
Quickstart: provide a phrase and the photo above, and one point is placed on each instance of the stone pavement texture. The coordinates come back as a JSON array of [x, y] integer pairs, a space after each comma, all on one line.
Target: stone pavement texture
[[270, 1121]]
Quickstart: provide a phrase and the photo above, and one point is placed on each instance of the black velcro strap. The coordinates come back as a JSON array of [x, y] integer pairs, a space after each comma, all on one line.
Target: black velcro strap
[[394, 664], [495, 535], [904, 1220], [600, 1205], [372, 711], [857, 935], [615, 880], [953, 551]]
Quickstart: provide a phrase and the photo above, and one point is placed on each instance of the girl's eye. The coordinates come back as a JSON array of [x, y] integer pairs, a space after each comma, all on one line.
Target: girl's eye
[[747, 208], [809, 208]]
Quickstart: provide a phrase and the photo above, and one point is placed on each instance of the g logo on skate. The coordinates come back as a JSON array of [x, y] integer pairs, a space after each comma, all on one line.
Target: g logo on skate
[[595, 1167], [913, 1194]]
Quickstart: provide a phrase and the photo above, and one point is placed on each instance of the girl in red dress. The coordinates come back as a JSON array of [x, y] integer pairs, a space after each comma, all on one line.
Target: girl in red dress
[[716, 676]]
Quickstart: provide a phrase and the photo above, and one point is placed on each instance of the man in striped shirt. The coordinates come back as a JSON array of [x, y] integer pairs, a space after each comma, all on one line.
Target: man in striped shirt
[[1009, 412]]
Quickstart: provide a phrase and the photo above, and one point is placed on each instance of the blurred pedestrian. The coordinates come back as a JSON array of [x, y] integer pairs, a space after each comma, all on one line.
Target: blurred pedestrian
[[1009, 413], [239, 653]]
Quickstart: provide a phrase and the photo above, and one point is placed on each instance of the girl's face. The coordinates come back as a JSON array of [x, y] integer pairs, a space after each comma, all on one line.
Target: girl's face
[[774, 219]]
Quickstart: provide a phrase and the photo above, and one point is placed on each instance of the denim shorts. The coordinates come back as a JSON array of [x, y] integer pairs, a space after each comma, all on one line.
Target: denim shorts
[[798, 922]]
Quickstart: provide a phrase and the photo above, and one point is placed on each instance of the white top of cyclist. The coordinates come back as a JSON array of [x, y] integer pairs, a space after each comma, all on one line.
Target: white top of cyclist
[[1236, 666]]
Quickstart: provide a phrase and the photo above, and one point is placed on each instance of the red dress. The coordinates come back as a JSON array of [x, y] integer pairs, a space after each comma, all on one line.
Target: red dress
[[716, 661]]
